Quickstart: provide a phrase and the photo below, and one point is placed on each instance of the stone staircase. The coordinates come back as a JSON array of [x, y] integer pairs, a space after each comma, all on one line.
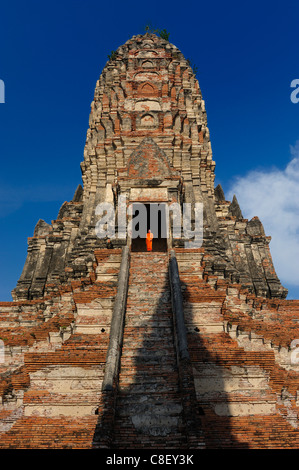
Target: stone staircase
[[149, 407], [245, 388]]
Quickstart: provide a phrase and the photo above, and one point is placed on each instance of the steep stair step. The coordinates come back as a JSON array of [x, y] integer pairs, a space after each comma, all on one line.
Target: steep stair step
[[149, 410]]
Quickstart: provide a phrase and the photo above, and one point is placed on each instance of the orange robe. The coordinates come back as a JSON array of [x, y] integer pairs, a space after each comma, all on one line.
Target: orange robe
[[149, 241]]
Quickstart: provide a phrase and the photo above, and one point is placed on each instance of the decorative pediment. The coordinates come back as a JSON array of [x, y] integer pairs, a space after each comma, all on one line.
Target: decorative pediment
[[148, 161]]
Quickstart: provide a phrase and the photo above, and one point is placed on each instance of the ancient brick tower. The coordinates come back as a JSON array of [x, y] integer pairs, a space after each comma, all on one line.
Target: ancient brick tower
[[108, 346]]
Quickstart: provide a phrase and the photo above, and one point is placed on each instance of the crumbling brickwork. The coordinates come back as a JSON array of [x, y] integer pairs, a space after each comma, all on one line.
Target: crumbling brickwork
[[148, 141]]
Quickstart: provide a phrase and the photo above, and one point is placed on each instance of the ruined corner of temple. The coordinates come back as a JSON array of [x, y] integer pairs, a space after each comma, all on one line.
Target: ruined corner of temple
[[109, 345]]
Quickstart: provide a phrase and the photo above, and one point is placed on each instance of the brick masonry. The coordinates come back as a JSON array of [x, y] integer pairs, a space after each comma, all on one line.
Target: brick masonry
[[148, 140]]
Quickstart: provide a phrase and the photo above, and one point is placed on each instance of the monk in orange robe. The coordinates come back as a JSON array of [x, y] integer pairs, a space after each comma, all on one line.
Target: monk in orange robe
[[149, 241]]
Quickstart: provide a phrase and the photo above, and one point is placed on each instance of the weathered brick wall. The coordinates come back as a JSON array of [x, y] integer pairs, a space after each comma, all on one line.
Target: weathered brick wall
[[148, 140], [240, 348], [51, 387]]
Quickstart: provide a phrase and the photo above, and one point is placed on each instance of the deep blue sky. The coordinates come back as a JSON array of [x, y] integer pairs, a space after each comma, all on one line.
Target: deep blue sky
[[52, 53]]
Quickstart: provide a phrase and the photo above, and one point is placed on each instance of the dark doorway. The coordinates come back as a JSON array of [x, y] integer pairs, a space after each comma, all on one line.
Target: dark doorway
[[151, 216]]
